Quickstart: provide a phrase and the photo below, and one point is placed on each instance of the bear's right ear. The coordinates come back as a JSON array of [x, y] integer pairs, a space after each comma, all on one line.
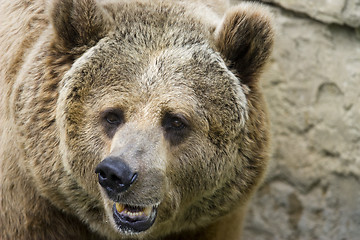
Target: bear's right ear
[[245, 40], [78, 22]]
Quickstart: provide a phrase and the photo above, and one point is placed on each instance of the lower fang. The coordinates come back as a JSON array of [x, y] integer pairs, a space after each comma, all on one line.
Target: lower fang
[[120, 207], [147, 211]]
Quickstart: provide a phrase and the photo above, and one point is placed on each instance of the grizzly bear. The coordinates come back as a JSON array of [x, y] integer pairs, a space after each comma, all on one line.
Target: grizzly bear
[[130, 119]]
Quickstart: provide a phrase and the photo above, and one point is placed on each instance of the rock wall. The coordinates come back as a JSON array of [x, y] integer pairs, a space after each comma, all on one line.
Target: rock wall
[[312, 86]]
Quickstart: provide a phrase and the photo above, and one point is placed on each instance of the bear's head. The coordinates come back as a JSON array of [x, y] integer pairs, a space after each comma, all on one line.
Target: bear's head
[[162, 124]]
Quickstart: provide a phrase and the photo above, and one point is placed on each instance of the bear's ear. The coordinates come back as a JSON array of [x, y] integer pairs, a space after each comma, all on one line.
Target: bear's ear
[[78, 22], [245, 40]]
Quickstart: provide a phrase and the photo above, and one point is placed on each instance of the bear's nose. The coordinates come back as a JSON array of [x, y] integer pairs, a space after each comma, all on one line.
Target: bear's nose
[[115, 175]]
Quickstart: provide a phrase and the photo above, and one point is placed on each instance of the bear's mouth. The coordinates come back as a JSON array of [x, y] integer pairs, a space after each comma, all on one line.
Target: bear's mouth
[[134, 219]]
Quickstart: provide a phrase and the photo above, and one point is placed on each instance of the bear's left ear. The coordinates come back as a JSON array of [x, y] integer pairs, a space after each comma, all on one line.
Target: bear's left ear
[[78, 22], [245, 40]]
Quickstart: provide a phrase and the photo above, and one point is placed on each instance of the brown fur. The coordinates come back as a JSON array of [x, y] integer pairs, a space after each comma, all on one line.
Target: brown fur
[[64, 63]]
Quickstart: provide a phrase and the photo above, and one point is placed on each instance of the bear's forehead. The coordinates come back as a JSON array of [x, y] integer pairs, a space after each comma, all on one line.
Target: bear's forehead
[[118, 66], [154, 44]]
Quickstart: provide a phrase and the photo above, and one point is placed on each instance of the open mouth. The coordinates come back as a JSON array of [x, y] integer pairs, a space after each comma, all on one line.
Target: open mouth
[[134, 219]]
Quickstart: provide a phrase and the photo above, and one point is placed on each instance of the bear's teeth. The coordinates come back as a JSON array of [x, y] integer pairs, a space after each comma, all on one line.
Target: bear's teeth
[[120, 207], [147, 211]]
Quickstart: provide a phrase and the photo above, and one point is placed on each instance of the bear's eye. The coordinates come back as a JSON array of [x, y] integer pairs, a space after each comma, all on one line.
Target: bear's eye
[[176, 127], [176, 123], [111, 119]]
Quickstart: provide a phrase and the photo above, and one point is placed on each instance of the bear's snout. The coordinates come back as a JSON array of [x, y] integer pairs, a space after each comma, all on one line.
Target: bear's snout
[[115, 176]]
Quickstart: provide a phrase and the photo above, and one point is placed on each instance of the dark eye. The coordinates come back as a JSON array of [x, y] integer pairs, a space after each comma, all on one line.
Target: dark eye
[[111, 120], [176, 123], [176, 127]]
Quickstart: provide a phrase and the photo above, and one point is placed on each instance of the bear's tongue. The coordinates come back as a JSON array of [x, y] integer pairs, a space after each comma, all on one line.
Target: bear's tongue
[[133, 213]]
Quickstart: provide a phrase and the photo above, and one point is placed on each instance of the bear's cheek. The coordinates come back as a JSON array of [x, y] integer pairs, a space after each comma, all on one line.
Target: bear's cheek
[[192, 167], [85, 150]]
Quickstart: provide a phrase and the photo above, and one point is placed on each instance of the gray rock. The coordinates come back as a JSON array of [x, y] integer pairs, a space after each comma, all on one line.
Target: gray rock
[[329, 11]]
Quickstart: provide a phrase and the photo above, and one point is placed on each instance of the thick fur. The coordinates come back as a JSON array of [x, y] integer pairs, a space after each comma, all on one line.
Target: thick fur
[[64, 62]]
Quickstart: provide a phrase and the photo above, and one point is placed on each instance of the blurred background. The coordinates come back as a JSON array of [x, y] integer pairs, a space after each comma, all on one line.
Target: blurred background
[[312, 87]]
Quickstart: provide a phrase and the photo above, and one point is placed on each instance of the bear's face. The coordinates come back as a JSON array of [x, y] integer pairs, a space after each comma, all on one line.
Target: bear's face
[[152, 122], [152, 112]]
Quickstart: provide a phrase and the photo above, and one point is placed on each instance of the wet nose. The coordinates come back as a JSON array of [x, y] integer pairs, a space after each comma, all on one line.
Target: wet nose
[[115, 176]]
